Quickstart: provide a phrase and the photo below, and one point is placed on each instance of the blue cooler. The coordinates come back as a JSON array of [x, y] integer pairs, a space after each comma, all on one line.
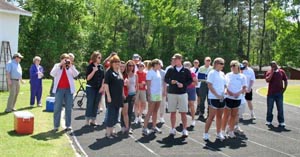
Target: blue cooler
[[50, 104]]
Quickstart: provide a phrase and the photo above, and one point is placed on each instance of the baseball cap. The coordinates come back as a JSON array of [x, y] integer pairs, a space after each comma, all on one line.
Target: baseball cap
[[18, 55]]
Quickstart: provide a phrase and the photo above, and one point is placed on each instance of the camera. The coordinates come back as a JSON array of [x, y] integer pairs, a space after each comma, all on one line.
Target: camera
[[67, 62]]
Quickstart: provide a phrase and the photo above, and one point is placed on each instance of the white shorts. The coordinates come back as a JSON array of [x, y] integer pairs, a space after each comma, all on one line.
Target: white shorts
[[178, 101]]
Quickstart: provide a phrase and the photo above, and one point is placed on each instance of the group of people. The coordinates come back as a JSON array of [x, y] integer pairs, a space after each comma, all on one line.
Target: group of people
[[129, 86]]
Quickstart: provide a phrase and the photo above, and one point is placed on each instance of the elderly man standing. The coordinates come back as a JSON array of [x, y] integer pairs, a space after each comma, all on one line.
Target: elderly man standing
[[13, 76], [275, 77]]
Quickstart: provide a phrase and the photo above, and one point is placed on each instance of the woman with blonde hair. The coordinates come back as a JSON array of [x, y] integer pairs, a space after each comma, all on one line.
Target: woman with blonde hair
[[154, 89], [216, 84], [114, 94], [236, 86]]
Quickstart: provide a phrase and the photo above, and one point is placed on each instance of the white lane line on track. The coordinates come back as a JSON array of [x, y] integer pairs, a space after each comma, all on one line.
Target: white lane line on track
[[203, 144], [274, 133], [278, 151], [144, 146], [147, 148], [255, 142]]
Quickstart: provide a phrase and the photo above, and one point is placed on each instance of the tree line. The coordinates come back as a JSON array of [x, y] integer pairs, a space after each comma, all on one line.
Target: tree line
[[256, 30]]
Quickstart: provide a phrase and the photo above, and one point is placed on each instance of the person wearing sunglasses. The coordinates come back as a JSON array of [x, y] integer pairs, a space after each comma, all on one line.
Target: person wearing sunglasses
[[94, 87], [216, 84]]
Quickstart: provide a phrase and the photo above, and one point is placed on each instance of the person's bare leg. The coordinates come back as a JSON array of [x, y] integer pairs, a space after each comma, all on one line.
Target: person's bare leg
[[212, 113], [219, 114]]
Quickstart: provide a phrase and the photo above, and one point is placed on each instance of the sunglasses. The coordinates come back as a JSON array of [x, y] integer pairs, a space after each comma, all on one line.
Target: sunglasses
[[99, 57], [232, 65], [221, 63], [207, 60], [130, 65]]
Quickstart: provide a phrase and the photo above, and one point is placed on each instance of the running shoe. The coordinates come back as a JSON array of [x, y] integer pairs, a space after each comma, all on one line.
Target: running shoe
[[185, 133], [205, 136], [156, 130]]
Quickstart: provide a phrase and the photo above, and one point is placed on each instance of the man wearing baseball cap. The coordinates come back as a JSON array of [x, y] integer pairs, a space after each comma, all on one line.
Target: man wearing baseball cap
[[13, 76]]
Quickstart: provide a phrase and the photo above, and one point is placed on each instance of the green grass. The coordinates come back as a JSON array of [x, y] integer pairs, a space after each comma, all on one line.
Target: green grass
[[291, 95], [42, 142]]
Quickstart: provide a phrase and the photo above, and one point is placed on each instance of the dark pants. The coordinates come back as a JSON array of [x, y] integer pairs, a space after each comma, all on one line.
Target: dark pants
[[203, 92], [112, 115], [35, 92], [130, 100], [92, 103], [278, 98]]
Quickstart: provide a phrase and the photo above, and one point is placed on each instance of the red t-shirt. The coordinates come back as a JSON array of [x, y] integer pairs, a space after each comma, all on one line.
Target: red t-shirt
[[192, 85], [125, 88], [141, 78], [276, 84], [63, 82]]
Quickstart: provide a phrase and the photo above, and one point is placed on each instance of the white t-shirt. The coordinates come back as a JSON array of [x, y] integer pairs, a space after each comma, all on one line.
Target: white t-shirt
[[193, 69], [155, 78], [235, 82], [250, 75], [217, 79]]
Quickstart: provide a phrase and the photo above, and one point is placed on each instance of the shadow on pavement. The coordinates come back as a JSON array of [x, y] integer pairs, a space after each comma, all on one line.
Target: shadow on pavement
[[88, 129], [278, 129], [82, 117], [49, 135], [247, 121], [147, 139], [231, 143], [104, 142], [170, 141]]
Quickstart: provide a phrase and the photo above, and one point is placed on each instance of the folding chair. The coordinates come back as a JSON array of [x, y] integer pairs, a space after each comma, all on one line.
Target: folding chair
[[81, 88]]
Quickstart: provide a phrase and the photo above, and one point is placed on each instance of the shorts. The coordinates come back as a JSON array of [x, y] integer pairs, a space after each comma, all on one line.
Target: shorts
[[156, 97], [249, 96], [178, 101], [216, 104], [231, 103], [141, 96], [191, 94]]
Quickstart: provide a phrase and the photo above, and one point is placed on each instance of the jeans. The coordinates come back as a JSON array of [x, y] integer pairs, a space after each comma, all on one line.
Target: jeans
[[130, 100], [112, 115], [278, 98], [60, 96], [93, 99]]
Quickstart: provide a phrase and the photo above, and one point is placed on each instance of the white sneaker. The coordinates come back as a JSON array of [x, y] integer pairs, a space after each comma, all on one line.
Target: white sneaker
[[39, 105], [282, 125], [185, 133], [220, 136], [156, 130], [162, 120], [173, 132], [145, 131], [136, 121], [205, 136], [268, 123], [141, 120], [238, 130], [253, 116], [231, 134], [193, 123]]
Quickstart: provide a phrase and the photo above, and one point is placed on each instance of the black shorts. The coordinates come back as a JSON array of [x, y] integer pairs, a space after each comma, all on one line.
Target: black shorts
[[216, 104], [231, 103], [249, 96]]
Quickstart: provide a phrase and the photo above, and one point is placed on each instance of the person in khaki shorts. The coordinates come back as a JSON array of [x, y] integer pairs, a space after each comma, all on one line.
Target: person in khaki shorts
[[178, 79], [13, 76]]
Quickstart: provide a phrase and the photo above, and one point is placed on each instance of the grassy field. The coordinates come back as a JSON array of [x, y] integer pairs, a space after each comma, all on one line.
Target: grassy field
[[291, 96], [42, 142]]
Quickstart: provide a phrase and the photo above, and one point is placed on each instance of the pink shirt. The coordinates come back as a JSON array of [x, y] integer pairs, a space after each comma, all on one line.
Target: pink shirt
[[192, 85]]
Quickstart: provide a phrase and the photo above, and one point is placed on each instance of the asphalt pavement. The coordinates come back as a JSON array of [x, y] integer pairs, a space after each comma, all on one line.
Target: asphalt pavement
[[259, 140]]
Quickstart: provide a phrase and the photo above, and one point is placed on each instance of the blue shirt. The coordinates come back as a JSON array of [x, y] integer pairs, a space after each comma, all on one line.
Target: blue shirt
[[14, 69]]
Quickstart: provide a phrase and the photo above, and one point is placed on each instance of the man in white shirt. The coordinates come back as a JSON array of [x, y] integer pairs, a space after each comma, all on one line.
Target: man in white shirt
[[250, 75]]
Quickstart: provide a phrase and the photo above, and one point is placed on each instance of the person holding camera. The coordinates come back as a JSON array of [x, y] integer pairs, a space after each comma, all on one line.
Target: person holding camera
[[94, 88], [63, 88]]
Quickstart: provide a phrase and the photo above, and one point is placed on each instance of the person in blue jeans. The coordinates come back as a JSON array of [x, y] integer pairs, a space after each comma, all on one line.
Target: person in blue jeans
[[275, 77], [63, 88], [114, 95], [94, 88]]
